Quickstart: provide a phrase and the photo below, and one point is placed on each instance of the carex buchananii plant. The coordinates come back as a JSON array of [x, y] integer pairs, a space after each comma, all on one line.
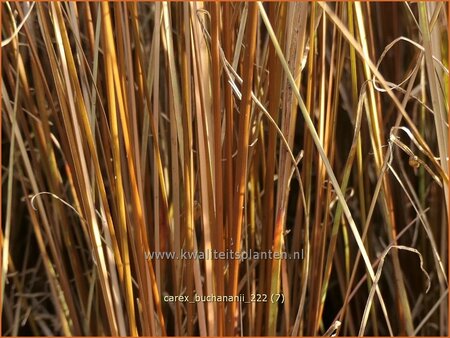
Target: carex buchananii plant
[[224, 168]]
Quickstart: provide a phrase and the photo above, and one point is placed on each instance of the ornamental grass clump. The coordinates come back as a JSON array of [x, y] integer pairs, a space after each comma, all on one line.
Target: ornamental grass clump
[[224, 168]]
